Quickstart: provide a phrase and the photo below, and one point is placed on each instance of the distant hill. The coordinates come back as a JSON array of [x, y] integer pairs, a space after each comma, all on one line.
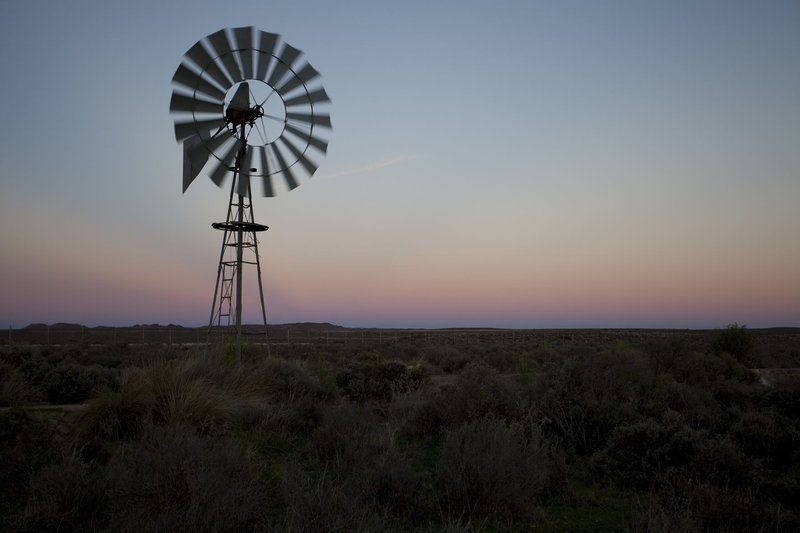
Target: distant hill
[[315, 326], [57, 325]]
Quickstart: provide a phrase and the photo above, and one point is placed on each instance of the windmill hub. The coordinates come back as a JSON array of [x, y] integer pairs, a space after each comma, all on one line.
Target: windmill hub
[[263, 103]]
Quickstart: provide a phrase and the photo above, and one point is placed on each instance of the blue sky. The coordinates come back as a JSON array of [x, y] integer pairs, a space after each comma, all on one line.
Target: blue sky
[[522, 164]]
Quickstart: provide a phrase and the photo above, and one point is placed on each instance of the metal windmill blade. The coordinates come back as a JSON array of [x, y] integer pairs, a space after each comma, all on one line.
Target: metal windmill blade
[[214, 100]]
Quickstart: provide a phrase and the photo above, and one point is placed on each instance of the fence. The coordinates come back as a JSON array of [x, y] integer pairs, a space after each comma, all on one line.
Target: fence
[[53, 335]]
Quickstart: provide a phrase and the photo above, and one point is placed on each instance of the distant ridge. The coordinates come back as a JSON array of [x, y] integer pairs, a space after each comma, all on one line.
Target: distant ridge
[[327, 326], [303, 325]]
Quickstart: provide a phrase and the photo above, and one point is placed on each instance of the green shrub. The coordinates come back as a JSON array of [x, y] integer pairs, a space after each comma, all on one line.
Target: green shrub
[[378, 381], [736, 340], [70, 383], [648, 452]]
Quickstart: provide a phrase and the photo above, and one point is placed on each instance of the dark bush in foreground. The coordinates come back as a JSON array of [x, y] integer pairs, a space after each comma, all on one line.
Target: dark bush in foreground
[[68, 496], [649, 452], [317, 504], [493, 467], [178, 481], [566, 431]]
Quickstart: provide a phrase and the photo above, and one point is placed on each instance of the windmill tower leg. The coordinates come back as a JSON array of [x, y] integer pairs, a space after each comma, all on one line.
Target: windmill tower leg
[[219, 289], [258, 271], [240, 235]]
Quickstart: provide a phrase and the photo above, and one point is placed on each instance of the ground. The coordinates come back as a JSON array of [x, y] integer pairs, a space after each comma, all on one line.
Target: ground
[[558, 430]]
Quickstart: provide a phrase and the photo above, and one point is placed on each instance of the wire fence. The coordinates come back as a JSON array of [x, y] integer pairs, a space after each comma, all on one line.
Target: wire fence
[[54, 335]]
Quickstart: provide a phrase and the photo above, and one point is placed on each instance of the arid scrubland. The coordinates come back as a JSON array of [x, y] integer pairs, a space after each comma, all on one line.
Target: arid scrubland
[[665, 432]]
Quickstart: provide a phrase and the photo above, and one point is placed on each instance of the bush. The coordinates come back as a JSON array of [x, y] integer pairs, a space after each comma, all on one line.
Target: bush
[[398, 487], [199, 393], [318, 504], [492, 467], [117, 415], [448, 358], [175, 480], [649, 452], [35, 368], [284, 380], [25, 445], [736, 340], [348, 438], [583, 398], [14, 389], [478, 392], [68, 496], [378, 381], [70, 383]]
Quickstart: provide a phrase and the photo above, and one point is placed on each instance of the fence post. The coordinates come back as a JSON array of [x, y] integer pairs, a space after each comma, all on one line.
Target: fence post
[[170, 336], [115, 334], [362, 337], [287, 336], [142, 334], [9, 334], [326, 338], [48, 335]]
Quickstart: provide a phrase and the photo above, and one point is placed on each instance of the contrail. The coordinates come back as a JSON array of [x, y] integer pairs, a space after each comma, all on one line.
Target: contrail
[[383, 163]]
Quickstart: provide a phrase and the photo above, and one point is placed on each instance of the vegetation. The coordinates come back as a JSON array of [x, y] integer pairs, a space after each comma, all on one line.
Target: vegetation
[[566, 432]]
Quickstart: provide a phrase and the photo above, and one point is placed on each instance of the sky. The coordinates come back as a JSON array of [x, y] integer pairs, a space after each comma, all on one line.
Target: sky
[[509, 164]]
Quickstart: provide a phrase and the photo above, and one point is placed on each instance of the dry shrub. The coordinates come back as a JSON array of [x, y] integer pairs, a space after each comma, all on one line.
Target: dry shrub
[[651, 452], [175, 480], [25, 444], [379, 381], [202, 393], [318, 503], [189, 391], [585, 397], [120, 414], [70, 383], [67, 496], [283, 380], [15, 389], [448, 358], [660, 514], [493, 467], [402, 490], [348, 438], [479, 391]]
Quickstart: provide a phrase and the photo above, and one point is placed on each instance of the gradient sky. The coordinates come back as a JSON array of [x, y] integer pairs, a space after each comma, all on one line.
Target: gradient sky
[[521, 164]]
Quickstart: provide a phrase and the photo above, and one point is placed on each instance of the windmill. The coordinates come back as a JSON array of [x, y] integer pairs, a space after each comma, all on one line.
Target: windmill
[[246, 108]]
